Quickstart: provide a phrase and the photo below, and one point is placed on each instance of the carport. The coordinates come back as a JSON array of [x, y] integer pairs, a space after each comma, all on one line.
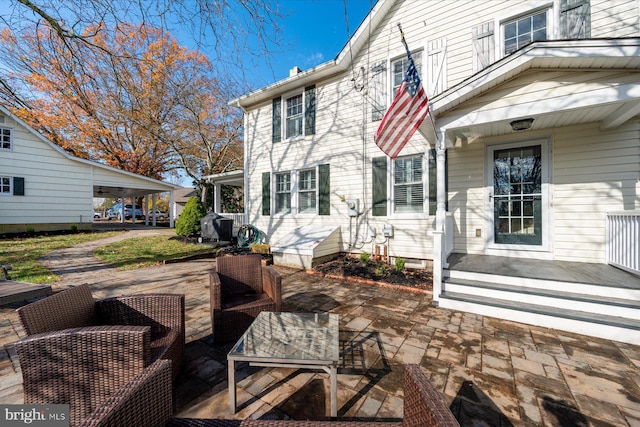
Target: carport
[[113, 183]]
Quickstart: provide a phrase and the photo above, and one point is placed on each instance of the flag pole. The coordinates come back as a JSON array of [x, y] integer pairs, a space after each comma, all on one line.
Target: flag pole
[[406, 46], [404, 42]]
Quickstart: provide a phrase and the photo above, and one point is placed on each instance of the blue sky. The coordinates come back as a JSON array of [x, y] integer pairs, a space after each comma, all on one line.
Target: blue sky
[[315, 32]]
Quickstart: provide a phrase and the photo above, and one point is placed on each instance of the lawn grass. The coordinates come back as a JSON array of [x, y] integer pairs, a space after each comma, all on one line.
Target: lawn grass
[[140, 252], [22, 253]]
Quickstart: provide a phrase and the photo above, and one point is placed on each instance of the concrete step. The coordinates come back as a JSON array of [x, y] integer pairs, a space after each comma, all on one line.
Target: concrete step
[[621, 290], [605, 326], [563, 297]]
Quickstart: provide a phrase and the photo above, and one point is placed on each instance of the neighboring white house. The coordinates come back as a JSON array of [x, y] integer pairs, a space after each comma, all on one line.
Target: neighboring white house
[[42, 187], [533, 139]]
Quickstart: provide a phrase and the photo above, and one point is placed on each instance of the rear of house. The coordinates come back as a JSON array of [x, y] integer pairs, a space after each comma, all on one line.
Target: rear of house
[[531, 151], [542, 192]]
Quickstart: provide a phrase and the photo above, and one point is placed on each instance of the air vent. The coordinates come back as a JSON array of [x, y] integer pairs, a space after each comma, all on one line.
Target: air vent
[[2, 118]]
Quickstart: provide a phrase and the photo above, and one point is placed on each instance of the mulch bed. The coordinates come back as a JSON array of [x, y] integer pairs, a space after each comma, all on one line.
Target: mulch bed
[[375, 272]]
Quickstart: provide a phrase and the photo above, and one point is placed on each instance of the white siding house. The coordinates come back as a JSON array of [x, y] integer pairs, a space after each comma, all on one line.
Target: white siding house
[[532, 142], [45, 188]]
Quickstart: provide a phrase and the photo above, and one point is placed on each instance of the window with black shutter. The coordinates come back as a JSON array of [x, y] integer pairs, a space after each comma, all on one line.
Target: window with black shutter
[[379, 188]]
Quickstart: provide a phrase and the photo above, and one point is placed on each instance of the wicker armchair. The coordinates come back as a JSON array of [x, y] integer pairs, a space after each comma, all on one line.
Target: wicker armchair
[[161, 314], [423, 407], [241, 288]]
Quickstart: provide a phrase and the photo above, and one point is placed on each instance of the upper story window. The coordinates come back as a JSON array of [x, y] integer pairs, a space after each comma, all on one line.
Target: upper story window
[[524, 31], [5, 138], [399, 69], [294, 117], [298, 112], [307, 191]]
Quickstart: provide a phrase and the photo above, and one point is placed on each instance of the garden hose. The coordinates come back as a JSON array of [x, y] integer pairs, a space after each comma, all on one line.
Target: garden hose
[[248, 235]]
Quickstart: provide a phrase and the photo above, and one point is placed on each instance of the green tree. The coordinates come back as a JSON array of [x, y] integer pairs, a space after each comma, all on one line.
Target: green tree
[[189, 222]]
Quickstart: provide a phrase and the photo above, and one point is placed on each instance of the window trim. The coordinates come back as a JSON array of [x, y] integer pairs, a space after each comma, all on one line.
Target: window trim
[[276, 193], [299, 191], [309, 101], [294, 192], [420, 64], [550, 25], [7, 193], [425, 187], [11, 131]]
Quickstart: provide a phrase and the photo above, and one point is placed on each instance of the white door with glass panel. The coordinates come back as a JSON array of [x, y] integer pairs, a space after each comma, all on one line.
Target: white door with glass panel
[[518, 199]]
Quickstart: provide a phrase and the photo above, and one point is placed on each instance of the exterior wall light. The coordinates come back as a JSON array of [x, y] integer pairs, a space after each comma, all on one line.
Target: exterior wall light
[[522, 124]]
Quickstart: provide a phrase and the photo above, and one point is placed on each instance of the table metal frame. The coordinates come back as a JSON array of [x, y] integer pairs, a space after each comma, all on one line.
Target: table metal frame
[[329, 366]]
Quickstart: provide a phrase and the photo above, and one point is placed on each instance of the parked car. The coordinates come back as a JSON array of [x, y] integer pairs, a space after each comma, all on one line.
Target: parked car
[[111, 214], [97, 215], [160, 215], [128, 211]]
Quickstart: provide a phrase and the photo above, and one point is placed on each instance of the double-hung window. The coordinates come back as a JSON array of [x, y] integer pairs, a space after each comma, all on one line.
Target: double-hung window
[[283, 192], [307, 191], [525, 30], [294, 115], [408, 185], [399, 69], [5, 138], [304, 191], [5, 185]]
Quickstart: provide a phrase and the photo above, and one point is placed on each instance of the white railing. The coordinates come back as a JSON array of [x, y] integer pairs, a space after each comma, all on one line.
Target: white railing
[[623, 240], [239, 219], [448, 236]]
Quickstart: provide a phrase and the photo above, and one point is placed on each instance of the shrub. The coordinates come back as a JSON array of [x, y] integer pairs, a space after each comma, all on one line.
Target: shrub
[[382, 270], [189, 222], [31, 230], [364, 257], [400, 264], [74, 228]]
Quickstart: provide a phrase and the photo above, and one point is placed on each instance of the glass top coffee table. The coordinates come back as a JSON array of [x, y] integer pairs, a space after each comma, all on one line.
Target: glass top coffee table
[[289, 340]]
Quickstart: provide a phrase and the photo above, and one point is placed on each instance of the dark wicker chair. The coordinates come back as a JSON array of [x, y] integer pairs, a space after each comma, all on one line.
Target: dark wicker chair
[[241, 288], [161, 314], [423, 407]]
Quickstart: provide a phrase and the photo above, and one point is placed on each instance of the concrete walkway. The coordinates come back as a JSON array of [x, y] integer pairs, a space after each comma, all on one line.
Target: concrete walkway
[[492, 372]]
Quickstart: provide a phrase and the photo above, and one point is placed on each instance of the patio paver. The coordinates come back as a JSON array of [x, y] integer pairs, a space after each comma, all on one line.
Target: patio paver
[[492, 372]]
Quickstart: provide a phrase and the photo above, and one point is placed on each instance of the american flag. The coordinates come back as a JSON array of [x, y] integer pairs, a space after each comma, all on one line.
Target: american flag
[[407, 111]]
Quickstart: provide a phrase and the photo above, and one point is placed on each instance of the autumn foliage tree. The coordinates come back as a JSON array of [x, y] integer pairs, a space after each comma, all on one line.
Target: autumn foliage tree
[[132, 98]]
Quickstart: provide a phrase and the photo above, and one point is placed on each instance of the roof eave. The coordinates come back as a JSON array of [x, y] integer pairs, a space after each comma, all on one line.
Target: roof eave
[[341, 63]]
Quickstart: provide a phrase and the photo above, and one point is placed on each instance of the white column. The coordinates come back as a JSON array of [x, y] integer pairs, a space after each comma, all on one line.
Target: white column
[[441, 216], [171, 209], [154, 198]]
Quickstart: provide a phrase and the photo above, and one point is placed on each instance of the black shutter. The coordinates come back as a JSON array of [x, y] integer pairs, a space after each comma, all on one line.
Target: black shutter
[[379, 190], [324, 190], [276, 120], [18, 186], [266, 193], [310, 110]]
